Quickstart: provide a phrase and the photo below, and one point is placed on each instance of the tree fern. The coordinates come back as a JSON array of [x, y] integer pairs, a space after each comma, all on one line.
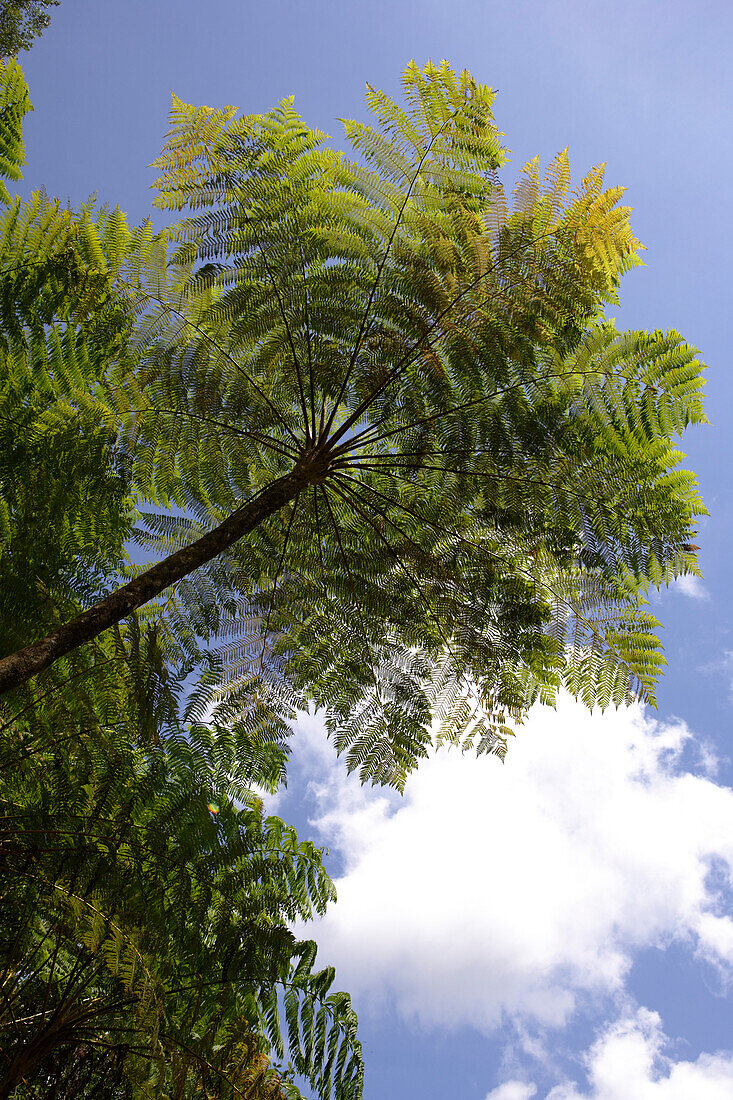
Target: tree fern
[[146, 900], [391, 403]]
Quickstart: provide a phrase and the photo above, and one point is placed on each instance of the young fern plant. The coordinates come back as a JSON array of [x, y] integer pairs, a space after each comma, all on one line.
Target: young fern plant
[[420, 472]]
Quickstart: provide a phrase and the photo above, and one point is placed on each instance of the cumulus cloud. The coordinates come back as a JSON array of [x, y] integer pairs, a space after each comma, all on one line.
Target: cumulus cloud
[[513, 1090], [628, 1063], [514, 890], [690, 585]]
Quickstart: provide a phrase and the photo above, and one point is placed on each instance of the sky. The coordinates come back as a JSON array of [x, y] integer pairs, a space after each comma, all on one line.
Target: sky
[[559, 927]]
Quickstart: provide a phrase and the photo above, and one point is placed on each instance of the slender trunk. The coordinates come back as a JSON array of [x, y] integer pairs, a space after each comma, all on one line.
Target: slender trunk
[[18, 667]]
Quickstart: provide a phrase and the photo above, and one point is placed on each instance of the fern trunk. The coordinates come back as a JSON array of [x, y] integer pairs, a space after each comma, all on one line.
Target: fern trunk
[[18, 667]]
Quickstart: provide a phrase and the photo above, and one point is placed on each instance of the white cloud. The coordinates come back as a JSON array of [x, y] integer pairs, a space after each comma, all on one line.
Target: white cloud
[[494, 890], [690, 585], [513, 1090], [628, 1063]]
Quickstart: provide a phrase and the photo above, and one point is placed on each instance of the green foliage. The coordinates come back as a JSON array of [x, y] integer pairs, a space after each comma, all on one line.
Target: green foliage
[[144, 930], [14, 105], [65, 509], [489, 472], [481, 474], [20, 22]]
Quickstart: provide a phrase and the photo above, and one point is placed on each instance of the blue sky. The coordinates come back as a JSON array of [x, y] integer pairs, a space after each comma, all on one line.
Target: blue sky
[[558, 928]]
